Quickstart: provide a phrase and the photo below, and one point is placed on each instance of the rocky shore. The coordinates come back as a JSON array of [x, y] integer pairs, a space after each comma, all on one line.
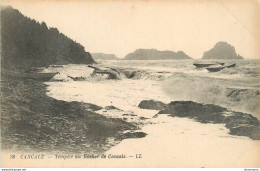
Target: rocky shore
[[238, 123], [32, 121]]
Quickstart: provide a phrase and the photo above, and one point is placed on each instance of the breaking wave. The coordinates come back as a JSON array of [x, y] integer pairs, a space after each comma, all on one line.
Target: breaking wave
[[144, 74], [240, 70], [208, 90]]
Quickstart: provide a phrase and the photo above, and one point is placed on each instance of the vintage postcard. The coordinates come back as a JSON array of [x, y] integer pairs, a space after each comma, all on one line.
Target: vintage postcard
[[112, 83]]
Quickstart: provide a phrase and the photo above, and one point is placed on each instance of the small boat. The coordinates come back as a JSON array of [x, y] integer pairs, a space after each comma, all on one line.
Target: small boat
[[203, 65], [216, 69], [24, 75]]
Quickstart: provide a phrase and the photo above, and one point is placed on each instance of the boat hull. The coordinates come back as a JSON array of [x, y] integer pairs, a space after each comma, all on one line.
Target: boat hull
[[202, 65], [216, 69], [207, 65]]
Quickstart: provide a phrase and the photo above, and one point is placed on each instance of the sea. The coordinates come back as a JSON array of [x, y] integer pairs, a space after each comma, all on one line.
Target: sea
[[170, 141]]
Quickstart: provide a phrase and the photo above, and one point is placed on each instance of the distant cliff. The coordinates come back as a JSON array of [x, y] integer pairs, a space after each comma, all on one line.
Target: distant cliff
[[153, 54], [27, 43], [222, 50], [102, 56]]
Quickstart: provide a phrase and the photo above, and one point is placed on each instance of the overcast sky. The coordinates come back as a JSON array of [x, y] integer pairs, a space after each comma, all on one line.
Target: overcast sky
[[120, 27]]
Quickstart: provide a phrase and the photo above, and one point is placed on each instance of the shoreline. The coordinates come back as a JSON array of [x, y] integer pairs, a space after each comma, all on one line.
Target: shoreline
[[33, 121], [85, 127]]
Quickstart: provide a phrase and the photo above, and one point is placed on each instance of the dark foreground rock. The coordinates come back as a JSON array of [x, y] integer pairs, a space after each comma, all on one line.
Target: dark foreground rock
[[134, 135], [151, 104], [32, 121], [238, 123], [111, 107]]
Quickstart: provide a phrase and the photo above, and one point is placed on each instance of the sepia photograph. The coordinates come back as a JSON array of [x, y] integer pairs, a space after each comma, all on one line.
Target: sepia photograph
[[130, 84]]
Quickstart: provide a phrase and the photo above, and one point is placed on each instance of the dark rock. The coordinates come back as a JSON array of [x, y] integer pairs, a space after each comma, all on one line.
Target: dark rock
[[134, 135], [112, 108], [152, 104], [22, 125], [93, 107], [238, 123], [31, 120], [99, 128], [204, 113], [243, 124]]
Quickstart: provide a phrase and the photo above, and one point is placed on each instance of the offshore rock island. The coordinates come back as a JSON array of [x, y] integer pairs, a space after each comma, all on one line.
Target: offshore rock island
[[222, 50], [153, 54]]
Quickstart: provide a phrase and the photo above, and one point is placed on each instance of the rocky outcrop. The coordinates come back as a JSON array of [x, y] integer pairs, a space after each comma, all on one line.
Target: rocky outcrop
[[102, 56], [26, 43], [153, 54], [134, 135], [222, 50], [238, 123], [31, 120], [152, 104]]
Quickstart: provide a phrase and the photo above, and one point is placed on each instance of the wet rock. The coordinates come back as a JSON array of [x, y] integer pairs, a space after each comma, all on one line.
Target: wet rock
[[243, 124], [238, 123], [47, 130], [202, 112], [92, 107], [101, 128], [111, 107], [22, 125], [31, 120], [134, 135], [152, 104]]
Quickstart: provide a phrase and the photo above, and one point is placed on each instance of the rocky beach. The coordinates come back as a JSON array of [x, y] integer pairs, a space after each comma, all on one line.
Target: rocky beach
[[152, 108], [32, 121]]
